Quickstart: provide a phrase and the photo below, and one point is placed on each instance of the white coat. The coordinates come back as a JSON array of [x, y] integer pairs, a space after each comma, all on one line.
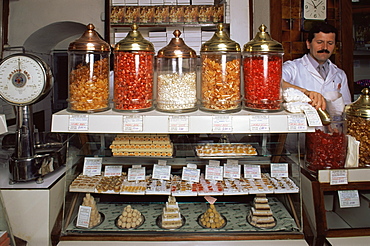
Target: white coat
[[302, 73]]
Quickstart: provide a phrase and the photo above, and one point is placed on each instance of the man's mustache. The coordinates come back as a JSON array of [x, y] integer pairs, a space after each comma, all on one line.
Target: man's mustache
[[324, 51]]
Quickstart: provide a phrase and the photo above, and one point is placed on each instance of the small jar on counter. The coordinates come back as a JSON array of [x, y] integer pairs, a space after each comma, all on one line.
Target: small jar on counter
[[176, 77], [133, 73], [358, 125], [220, 71], [88, 68], [262, 67]]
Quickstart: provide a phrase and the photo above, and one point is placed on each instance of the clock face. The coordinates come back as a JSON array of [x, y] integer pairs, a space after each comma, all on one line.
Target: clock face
[[314, 9], [23, 79]]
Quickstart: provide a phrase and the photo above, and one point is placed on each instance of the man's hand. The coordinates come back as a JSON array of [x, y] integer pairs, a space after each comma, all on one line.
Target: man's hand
[[317, 100]]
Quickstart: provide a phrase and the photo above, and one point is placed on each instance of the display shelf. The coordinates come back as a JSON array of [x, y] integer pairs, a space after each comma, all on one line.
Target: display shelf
[[156, 122]]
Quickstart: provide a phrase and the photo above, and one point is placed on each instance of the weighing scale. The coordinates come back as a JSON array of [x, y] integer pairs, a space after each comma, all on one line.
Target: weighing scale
[[24, 80]]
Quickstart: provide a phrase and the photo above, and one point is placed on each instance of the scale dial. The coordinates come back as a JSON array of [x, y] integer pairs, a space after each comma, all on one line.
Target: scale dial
[[24, 79]]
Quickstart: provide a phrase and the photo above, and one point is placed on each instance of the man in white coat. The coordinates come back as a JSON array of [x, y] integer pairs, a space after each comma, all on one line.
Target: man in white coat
[[314, 74]]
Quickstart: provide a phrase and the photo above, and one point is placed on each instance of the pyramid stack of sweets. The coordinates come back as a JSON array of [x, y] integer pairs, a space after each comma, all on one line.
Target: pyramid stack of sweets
[[95, 217], [212, 218], [171, 217], [157, 145], [261, 215], [129, 218]]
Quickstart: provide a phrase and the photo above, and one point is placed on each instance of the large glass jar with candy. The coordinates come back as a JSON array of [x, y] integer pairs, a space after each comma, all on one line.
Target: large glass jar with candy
[[262, 67], [133, 73], [358, 125], [326, 148], [220, 71], [88, 68], [176, 77]]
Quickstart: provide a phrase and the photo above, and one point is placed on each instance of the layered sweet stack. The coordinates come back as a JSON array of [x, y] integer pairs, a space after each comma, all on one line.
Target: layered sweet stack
[[261, 215], [158, 145], [95, 217], [171, 216]]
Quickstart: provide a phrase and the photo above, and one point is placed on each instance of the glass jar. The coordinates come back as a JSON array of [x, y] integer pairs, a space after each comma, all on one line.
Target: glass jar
[[176, 77], [327, 146], [220, 71], [133, 73], [262, 67], [88, 69], [358, 125]]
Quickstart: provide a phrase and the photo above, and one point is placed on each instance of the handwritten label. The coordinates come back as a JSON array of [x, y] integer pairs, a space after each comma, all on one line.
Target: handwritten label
[[259, 123], [232, 171], [297, 122], [348, 198], [313, 117], [190, 174], [214, 172], [338, 177], [136, 173], [115, 170], [83, 217], [161, 172], [222, 124], [92, 166], [178, 123], [252, 171], [279, 170], [78, 122], [133, 123]]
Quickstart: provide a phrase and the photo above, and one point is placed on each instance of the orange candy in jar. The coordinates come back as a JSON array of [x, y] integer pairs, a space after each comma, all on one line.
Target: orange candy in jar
[[88, 66], [133, 73]]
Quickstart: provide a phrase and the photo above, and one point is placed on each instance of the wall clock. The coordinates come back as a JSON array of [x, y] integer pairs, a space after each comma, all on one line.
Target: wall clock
[[314, 9]]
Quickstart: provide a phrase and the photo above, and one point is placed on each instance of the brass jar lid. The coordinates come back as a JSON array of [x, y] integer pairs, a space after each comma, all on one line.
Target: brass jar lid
[[361, 107], [134, 41], [89, 41], [176, 48], [220, 41], [263, 42]]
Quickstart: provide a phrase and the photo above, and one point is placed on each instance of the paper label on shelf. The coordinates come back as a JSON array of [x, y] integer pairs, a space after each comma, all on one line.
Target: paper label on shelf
[[78, 122], [132, 123], [313, 117], [214, 172], [348, 198], [297, 122], [83, 217], [222, 123], [178, 123], [279, 170], [338, 177], [92, 166], [252, 171], [161, 172], [115, 170], [136, 174], [190, 174], [259, 123], [232, 171]]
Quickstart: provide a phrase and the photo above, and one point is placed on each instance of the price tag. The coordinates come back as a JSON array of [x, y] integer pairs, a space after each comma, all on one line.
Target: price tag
[[222, 124], [78, 122], [115, 170], [161, 172], [189, 173], [210, 199], [348, 198], [297, 122], [338, 177], [136, 173], [279, 170], [259, 123], [252, 171], [83, 217], [232, 170], [178, 123], [132, 123], [313, 117], [214, 171], [92, 166]]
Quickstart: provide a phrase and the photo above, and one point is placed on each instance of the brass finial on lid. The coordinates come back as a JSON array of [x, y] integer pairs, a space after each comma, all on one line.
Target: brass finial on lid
[[134, 41], [220, 41], [89, 41], [263, 42], [361, 107], [177, 48]]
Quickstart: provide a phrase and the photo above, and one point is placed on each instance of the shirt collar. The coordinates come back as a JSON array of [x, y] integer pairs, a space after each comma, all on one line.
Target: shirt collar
[[315, 64]]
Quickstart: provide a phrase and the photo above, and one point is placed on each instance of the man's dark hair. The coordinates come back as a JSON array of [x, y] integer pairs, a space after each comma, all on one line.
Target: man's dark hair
[[321, 27]]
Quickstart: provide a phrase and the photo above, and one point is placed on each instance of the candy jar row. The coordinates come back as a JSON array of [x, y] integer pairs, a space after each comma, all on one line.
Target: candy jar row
[[176, 74]]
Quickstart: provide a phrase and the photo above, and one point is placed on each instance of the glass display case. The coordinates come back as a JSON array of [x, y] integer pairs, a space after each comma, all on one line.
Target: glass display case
[[228, 178]]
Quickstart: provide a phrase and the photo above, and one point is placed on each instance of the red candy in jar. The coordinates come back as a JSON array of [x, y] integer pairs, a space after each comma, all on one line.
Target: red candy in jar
[[133, 73], [262, 67]]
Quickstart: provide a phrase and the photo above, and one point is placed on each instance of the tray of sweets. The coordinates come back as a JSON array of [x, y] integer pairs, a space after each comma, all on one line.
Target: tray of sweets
[[225, 150]]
